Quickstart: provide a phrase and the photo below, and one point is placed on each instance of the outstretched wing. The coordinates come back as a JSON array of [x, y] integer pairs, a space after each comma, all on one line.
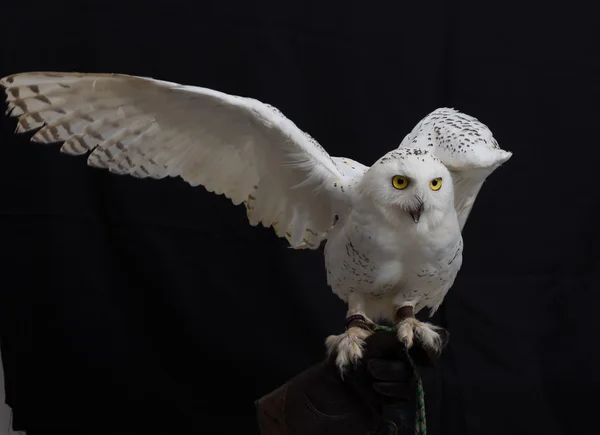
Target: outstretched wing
[[467, 148], [235, 146]]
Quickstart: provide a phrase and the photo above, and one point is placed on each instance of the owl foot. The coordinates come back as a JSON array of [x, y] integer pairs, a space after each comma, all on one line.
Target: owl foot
[[348, 347], [411, 330]]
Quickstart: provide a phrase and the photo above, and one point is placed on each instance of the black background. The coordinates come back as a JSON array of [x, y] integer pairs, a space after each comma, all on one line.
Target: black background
[[138, 306]]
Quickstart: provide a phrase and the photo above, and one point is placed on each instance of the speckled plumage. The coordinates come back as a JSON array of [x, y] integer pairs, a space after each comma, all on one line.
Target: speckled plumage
[[379, 259], [388, 244], [465, 146]]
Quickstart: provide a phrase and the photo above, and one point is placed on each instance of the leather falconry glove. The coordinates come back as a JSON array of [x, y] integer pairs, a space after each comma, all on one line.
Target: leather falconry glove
[[377, 397]]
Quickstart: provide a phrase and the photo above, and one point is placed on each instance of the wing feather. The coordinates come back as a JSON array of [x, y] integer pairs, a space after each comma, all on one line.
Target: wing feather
[[233, 146], [466, 146]]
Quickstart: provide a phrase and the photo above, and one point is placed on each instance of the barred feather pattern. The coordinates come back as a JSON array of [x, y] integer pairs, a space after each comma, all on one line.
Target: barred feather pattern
[[233, 146]]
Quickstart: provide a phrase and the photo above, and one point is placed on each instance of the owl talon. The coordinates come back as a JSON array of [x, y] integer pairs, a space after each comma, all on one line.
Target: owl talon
[[348, 347], [411, 330]]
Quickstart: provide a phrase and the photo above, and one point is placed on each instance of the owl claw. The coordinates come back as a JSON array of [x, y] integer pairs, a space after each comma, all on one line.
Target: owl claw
[[426, 335], [348, 347], [406, 342]]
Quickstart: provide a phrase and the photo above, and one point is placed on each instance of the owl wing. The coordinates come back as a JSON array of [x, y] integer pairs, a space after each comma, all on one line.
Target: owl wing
[[467, 148], [235, 146]]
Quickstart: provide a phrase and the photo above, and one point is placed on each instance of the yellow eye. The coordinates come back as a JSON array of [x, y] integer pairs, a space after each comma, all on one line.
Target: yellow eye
[[400, 182], [435, 184]]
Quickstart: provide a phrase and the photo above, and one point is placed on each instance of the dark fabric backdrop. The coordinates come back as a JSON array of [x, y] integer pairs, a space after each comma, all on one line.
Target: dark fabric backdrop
[[130, 306]]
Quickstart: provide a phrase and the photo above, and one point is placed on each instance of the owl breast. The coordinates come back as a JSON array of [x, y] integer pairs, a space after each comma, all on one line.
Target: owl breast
[[389, 267], [361, 260]]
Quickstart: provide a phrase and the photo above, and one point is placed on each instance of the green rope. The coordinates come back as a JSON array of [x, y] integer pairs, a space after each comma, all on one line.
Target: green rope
[[420, 420]]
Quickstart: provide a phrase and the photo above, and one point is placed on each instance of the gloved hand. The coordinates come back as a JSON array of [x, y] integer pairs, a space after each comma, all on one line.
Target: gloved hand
[[385, 378], [376, 398]]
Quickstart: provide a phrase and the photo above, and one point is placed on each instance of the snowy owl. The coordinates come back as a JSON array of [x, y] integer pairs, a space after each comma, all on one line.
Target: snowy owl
[[392, 231]]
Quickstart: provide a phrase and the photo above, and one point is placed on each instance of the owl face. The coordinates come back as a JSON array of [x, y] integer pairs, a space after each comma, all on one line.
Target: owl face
[[410, 185]]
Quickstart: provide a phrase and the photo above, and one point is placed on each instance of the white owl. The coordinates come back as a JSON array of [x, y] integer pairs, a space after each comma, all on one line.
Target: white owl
[[392, 230]]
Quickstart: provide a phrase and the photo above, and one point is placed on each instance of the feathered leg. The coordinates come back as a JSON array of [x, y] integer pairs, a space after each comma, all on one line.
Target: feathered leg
[[349, 345], [409, 330]]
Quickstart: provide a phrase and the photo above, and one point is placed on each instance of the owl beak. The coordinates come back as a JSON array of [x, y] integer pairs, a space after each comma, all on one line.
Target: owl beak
[[416, 212]]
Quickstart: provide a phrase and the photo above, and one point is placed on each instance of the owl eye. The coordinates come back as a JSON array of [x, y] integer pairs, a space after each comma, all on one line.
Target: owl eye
[[436, 184], [400, 182]]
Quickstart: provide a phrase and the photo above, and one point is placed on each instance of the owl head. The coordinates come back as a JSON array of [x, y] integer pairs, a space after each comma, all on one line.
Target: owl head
[[409, 186]]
